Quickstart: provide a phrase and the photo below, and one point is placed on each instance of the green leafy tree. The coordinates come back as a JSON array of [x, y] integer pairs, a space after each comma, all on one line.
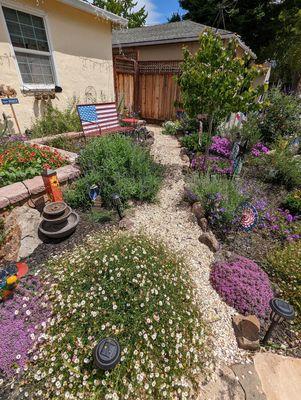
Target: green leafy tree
[[255, 20], [270, 28], [215, 82], [287, 53], [126, 9], [175, 17]]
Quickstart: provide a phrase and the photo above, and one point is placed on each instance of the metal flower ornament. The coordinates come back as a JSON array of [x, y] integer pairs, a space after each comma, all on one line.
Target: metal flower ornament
[[247, 216], [9, 279]]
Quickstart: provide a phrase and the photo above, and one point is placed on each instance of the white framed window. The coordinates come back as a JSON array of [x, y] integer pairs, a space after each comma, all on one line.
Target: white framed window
[[30, 42]]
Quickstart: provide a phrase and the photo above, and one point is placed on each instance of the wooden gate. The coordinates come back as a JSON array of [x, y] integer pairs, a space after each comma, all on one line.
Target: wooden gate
[[158, 90], [125, 71], [148, 87]]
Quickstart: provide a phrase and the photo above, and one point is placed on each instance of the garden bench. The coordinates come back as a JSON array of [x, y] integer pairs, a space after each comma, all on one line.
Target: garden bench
[[99, 119]]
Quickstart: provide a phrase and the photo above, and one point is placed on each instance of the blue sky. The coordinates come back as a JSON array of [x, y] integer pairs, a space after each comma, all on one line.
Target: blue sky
[[159, 10]]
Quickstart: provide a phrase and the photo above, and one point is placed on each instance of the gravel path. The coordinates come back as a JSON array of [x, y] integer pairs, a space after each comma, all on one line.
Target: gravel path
[[172, 221]]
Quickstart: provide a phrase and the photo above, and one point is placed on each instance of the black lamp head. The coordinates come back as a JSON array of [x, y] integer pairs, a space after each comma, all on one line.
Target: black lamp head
[[58, 89], [107, 354], [281, 310], [116, 199]]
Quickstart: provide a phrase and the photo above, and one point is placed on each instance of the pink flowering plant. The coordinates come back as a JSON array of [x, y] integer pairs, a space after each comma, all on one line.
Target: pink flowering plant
[[22, 324], [259, 149], [134, 290], [221, 146], [243, 285]]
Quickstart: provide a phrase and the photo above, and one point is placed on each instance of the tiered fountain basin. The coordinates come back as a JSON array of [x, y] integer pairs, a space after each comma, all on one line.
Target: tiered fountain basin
[[59, 220]]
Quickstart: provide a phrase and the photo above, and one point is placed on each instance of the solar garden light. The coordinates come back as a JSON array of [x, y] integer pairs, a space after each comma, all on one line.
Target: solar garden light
[[94, 191], [118, 204], [107, 354], [281, 310]]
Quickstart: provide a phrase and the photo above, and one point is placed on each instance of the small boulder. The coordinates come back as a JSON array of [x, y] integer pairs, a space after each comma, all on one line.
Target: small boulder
[[183, 152], [198, 210], [247, 332], [209, 240], [126, 224], [189, 196], [203, 223]]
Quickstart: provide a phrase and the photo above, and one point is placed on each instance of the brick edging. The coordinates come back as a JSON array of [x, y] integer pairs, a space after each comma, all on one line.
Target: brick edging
[[20, 192]]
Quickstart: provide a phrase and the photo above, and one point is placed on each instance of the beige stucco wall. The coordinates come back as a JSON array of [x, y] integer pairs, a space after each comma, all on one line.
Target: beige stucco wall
[[172, 51], [165, 52], [82, 51]]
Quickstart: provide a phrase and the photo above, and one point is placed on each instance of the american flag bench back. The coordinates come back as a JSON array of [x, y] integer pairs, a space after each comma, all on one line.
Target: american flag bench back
[[97, 119]]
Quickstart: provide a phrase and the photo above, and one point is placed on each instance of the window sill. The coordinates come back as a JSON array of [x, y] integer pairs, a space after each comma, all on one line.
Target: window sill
[[37, 88]]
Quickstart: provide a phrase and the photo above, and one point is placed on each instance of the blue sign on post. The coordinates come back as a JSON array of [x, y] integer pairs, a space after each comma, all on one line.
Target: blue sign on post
[[10, 101]]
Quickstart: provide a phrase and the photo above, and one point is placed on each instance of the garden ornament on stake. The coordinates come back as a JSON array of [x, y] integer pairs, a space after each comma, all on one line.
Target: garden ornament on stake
[[94, 194], [281, 310], [247, 216], [238, 154], [118, 204], [52, 185], [9, 279], [107, 354]]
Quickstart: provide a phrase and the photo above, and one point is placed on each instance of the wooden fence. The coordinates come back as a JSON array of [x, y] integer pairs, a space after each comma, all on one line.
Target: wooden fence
[[147, 87]]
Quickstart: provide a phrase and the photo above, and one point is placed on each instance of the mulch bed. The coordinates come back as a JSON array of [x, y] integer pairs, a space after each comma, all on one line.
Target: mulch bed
[[50, 247]]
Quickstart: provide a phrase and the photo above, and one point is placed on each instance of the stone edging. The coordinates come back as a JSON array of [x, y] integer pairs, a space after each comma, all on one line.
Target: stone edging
[[20, 192]]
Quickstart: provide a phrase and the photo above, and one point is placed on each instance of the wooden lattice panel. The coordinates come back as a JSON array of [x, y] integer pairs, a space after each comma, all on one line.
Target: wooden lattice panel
[[124, 65], [159, 67]]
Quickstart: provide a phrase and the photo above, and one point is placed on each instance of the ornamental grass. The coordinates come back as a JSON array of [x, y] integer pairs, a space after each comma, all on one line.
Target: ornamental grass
[[131, 289]]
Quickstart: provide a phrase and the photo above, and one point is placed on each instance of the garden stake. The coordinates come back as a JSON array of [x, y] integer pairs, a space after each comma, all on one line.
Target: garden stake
[[52, 185], [281, 310]]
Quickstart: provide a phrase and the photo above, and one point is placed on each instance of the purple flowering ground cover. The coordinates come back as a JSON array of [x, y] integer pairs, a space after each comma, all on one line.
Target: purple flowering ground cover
[[243, 285], [22, 323]]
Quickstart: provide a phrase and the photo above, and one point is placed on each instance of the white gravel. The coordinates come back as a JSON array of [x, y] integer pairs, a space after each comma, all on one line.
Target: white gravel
[[171, 221]]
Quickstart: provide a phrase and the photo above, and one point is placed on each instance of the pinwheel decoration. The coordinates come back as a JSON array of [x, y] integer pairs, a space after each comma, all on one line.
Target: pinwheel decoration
[[247, 216], [10, 277]]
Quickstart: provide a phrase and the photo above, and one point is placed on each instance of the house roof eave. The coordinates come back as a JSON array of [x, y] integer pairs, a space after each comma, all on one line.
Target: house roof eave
[[184, 40], [91, 9]]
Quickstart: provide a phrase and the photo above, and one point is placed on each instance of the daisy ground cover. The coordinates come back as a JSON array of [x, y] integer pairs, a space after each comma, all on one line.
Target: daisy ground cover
[[130, 288]]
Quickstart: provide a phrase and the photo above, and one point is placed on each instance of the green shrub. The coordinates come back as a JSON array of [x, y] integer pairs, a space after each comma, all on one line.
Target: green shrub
[[55, 121], [117, 165], [293, 202], [280, 167], [220, 198], [284, 265], [131, 289], [191, 142], [68, 144], [281, 116], [171, 127]]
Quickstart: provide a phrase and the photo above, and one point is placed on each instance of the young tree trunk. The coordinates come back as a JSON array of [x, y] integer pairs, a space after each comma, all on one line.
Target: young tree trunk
[[209, 141]]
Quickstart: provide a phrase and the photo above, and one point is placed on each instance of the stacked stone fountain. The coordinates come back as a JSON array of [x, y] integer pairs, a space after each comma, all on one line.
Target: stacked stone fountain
[[59, 220]]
